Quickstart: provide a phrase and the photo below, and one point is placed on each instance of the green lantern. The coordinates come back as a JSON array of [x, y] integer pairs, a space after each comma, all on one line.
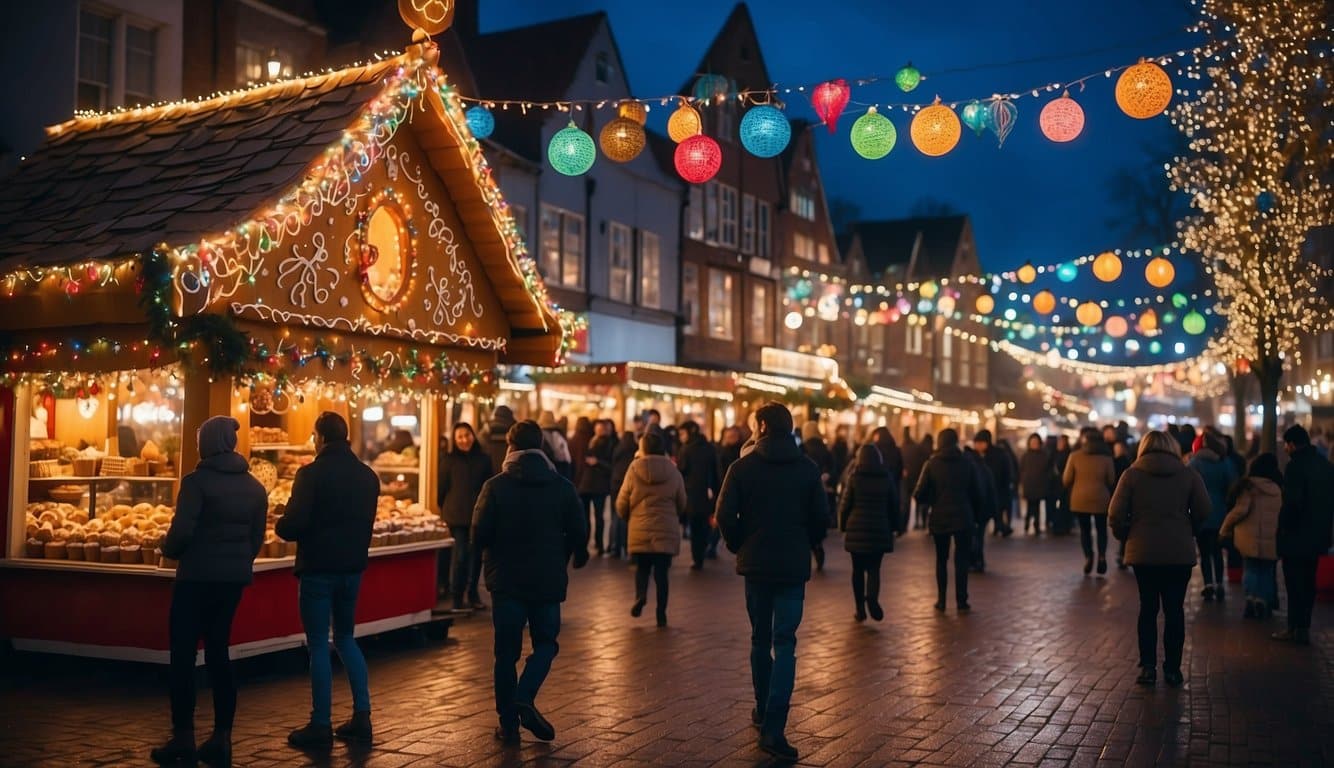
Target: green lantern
[[873, 135], [571, 151], [1179, 300], [1193, 323], [908, 78]]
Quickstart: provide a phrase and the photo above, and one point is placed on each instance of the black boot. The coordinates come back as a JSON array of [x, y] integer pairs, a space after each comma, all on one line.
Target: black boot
[[357, 729], [311, 736], [179, 750], [1147, 676], [638, 607], [1088, 564], [216, 751]]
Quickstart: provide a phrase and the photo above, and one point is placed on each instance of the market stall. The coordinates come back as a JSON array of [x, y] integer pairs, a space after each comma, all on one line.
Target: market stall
[[334, 242], [620, 391]]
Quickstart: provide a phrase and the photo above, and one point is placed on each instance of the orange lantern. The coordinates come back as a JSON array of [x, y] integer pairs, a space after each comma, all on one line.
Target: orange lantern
[[985, 304], [935, 130], [1088, 314], [622, 140], [1044, 302], [1116, 326], [632, 110], [1144, 90], [1027, 273], [1148, 322], [1107, 267], [1159, 272], [684, 123]]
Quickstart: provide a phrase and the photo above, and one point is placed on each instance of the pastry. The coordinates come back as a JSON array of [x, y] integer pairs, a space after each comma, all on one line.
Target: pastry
[[130, 553], [92, 551], [34, 548], [55, 550], [150, 555], [74, 550]]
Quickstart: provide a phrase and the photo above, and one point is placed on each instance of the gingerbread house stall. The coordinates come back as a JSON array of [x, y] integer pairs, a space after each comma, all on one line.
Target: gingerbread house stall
[[334, 242]]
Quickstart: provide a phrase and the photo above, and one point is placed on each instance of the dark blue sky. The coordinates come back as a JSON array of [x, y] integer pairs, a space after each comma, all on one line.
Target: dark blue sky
[[1032, 199]]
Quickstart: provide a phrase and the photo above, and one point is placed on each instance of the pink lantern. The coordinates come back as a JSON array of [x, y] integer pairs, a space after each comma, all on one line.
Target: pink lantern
[[698, 158], [829, 100], [1062, 119]]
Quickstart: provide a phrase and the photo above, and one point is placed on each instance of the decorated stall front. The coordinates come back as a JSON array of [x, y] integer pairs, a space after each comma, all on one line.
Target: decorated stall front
[[621, 391], [334, 242]]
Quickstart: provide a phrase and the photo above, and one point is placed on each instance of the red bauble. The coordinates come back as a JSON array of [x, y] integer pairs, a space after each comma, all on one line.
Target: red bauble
[[829, 100], [698, 158]]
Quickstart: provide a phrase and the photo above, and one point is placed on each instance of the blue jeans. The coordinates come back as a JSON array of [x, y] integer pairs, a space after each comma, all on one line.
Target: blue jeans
[[1259, 580], [509, 616], [465, 566], [775, 614], [324, 595]]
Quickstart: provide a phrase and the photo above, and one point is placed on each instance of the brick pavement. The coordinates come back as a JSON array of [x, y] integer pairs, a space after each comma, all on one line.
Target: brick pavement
[[1040, 673]]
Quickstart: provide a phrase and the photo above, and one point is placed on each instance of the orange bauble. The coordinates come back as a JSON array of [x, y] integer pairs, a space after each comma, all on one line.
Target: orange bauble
[[935, 130], [1116, 326], [1107, 267], [1144, 90], [684, 123], [985, 304], [632, 110], [1044, 303], [1027, 273], [1159, 272], [1148, 322], [1088, 314], [622, 140]]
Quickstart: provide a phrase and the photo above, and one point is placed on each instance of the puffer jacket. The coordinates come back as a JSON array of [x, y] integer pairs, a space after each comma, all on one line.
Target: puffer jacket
[[1158, 507], [1037, 469], [1253, 521], [1090, 476], [867, 510], [1308, 487], [218, 528], [652, 500], [949, 485], [1218, 476]]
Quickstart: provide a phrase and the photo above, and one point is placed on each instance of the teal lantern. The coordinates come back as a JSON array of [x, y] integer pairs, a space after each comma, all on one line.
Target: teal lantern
[[873, 135], [1155, 347], [1193, 323], [974, 115], [711, 88], [1067, 273], [571, 151], [480, 121], [765, 131], [907, 78]]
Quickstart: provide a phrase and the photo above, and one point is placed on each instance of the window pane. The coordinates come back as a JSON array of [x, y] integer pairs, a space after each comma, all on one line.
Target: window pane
[[140, 51], [824, 254], [548, 261], [650, 271], [572, 251], [720, 304], [94, 79], [695, 213], [711, 212], [619, 258], [727, 234], [249, 65], [763, 233], [690, 297], [747, 223], [760, 326]]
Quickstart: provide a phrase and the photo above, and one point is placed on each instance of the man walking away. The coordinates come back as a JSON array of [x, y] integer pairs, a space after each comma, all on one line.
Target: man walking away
[[1002, 479], [699, 467], [528, 524], [1303, 528], [330, 516], [772, 510], [951, 486]]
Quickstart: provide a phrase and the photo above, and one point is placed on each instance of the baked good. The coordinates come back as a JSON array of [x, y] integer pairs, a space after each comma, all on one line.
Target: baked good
[[150, 555], [34, 548], [74, 550], [55, 550], [131, 554], [111, 554], [92, 551]]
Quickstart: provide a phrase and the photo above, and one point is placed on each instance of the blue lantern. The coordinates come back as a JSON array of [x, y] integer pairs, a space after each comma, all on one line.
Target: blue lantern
[[480, 121], [975, 116], [711, 87], [765, 131], [1067, 273]]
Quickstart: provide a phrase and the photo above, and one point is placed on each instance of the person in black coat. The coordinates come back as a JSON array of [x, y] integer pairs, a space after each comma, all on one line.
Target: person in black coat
[[1002, 480], [699, 466], [771, 512], [1059, 518], [986, 512], [729, 450], [216, 534], [914, 460], [528, 526], [330, 516], [621, 458], [950, 485], [493, 439], [594, 483], [867, 515], [463, 471], [812, 444], [1303, 528], [1037, 472]]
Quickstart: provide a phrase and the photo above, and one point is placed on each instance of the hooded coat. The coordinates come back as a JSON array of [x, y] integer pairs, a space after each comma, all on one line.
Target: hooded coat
[[699, 467], [1308, 488], [950, 485], [652, 499], [1090, 476], [868, 508], [494, 439], [1037, 471], [1158, 507], [1218, 476], [1253, 521]]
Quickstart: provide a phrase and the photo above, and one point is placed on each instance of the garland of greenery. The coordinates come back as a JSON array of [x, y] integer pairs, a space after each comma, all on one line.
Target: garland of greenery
[[227, 347]]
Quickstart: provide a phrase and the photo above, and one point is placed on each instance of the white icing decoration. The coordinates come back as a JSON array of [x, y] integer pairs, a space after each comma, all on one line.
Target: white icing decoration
[[306, 272]]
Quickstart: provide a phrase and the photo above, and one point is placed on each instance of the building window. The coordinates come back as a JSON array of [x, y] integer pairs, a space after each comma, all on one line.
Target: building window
[[724, 119], [621, 287], [762, 230], [761, 326], [803, 247], [695, 213], [747, 223], [690, 297], [946, 358], [140, 64], [965, 363], [1326, 345], [878, 347], [95, 37], [721, 287], [252, 63], [650, 270], [711, 212], [980, 380], [802, 203], [861, 343], [727, 216], [562, 237], [822, 253], [602, 68], [117, 62], [913, 343]]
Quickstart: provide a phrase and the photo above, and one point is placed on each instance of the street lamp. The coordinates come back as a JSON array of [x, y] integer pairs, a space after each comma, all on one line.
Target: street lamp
[[274, 65]]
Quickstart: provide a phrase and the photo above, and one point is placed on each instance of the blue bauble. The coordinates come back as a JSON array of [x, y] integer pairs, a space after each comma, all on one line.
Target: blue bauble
[[1067, 273], [480, 121], [765, 131]]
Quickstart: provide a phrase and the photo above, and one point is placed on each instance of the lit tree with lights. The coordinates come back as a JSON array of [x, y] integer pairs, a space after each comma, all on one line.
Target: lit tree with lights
[[1258, 175]]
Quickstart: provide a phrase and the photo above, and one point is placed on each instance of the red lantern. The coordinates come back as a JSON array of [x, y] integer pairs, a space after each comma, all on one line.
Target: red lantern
[[698, 158], [829, 99]]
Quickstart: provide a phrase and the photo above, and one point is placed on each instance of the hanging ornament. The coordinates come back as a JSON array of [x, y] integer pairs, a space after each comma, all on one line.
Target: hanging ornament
[[975, 116], [1067, 273], [929, 289], [571, 151], [1193, 323], [622, 140], [1159, 272], [480, 121], [985, 304], [698, 158], [765, 131], [683, 123], [1001, 114], [829, 100], [712, 88], [1143, 90], [1116, 326], [633, 110], [1107, 267], [1179, 300], [1062, 119], [1148, 322], [1027, 273], [1044, 302], [945, 305], [873, 135], [907, 78], [792, 321], [935, 130], [1088, 314]]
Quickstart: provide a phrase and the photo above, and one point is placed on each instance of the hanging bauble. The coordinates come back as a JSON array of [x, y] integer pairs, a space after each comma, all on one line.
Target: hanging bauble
[[1193, 323], [1143, 90], [1116, 326], [1179, 300], [829, 99], [684, 123], [1001, 114], [1067, 273], [975, 116], [622, 140], [907, 78], [1027, 273], [929, 289], [946, 305], [1159, 272], [873, 135], [985, 304], [1044, 302], [480, 121], [571, 151], [903, 305], [1062, 119], [698, 158], [712, 88], [793, 321], [1155, 347], [632, 110], [935, 130], [1148, 322], [1107, 267], [765, 131], [1088, 314]]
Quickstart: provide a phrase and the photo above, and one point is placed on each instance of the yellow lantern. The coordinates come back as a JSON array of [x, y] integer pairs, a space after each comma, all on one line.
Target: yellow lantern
[[1044, 302], [1116, 326], [1144, 90], [985, 304], [632, 110], [935, 130], [1159, 272], [1027, 273], [622, 140], [929, 289], [1148, 322], [1088, 314], [1107, 267], [684, 123]]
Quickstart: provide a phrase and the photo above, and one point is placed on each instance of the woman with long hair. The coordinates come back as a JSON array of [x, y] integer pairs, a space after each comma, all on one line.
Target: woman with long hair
[[464, 469], [652, 501], [1037, 471], [867, 514]]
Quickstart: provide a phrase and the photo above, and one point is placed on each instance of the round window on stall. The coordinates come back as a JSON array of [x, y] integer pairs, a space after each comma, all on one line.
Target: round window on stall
[[386, 258]]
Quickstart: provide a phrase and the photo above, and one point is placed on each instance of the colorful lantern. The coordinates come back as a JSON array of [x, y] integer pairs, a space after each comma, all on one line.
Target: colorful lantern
[[1179, 300], [1116, 326], [480, 121], [929, 289], [1067, 272], [1193, 323], [1088, 314], [1001, 115], [1062, 119], [684, 123], [765, 131], [1107, 267], [935, 130], [1143, 90], [712, 88], [571, 151], [946, 305], [1159, 272], [698, 158], [1044, 302], [793, 321], [975, 116], [622, 140], [829, 99], [1148, 322], [632, 110], [907, 78], [985, 304], [873, 135], [1027, 273]]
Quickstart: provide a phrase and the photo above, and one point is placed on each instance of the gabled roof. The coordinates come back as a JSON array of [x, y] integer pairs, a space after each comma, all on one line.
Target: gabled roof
[[723, 54], [890, 243]]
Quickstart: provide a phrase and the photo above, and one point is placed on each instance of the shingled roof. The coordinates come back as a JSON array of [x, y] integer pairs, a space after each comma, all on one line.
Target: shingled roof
[[891, 243]]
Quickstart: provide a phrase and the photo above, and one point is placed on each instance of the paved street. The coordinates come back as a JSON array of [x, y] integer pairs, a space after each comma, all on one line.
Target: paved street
[[1041, 673]]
